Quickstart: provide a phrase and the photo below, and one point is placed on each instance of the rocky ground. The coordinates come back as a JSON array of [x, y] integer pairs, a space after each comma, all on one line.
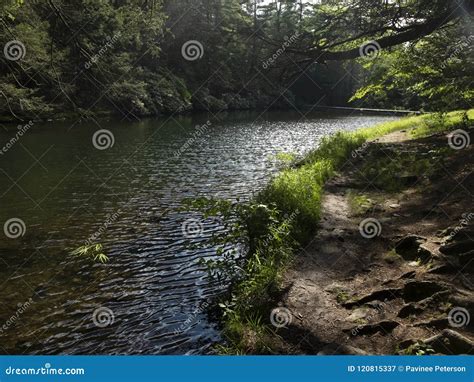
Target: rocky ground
[[391, 268]]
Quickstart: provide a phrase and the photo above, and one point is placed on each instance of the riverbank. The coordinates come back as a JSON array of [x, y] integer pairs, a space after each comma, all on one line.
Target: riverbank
[[373, 223]]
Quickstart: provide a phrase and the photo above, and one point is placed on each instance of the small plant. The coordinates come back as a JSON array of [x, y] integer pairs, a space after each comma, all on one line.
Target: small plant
[[392, 257], [359, 204], [342, 297], [286, 158], [93, 251], [418, 348]]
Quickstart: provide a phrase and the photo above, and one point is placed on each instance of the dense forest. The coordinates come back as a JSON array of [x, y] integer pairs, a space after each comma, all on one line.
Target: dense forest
[[138, 58]]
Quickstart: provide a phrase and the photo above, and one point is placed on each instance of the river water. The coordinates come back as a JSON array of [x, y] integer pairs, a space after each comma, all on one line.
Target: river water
[[151, 297]]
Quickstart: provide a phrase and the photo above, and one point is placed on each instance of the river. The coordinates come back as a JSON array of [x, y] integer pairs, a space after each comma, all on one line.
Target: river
[[151, 297]]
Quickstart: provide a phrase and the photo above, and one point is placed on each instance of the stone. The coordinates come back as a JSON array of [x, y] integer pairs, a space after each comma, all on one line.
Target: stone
[[457, 248], [381, 295], [410, 248], [382, 327], [451, 342], [335, 349], [358, 314], [410, 310], [419, 290]]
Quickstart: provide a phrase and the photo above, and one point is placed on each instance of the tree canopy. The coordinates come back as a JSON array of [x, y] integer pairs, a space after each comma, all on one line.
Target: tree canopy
[[147, 57]]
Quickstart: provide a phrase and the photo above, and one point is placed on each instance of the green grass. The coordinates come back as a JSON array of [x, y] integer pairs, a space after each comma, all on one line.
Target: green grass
[[293, 201], [359, 203], [443, 122]]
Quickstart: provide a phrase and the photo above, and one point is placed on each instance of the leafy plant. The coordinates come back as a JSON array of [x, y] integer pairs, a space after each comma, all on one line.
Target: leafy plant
[[93, 251]]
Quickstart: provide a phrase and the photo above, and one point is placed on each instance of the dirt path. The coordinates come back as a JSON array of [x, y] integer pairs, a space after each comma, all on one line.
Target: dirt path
[[391, 263]]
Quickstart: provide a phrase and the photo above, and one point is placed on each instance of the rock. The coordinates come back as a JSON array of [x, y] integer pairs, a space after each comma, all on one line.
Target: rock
[[465, 259], [457, 248], [443, 269], [358, 314], [463, 300], [454, 264], [419, 307], [382, 295], [438, 323], [451, 342], [419, 290], [409, 310], [405, 344], [379, 305], [410, 248], [408, 275], [336, 349], [456, 234], [382, 327]]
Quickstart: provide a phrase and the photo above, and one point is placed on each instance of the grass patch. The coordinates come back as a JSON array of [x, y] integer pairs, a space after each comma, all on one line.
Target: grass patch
[[286, 158], [292, 204], [443, 122], [359, 203]]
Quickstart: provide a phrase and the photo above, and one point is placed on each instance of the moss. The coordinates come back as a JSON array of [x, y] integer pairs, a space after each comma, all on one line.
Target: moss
[[342, 297], [392, 257]]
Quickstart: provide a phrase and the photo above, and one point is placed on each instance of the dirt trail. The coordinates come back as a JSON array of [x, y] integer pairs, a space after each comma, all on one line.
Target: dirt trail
[[391, 263]]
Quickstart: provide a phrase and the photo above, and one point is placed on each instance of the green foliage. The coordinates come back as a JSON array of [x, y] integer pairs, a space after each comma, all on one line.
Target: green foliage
[[125, 57], [432, 74], [93, 251], [359, 204], [284, 218], [444, 122], [286, 158], [419, 348]]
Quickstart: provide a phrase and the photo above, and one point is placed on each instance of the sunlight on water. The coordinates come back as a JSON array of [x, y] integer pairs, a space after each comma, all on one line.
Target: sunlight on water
[[151, 297]]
